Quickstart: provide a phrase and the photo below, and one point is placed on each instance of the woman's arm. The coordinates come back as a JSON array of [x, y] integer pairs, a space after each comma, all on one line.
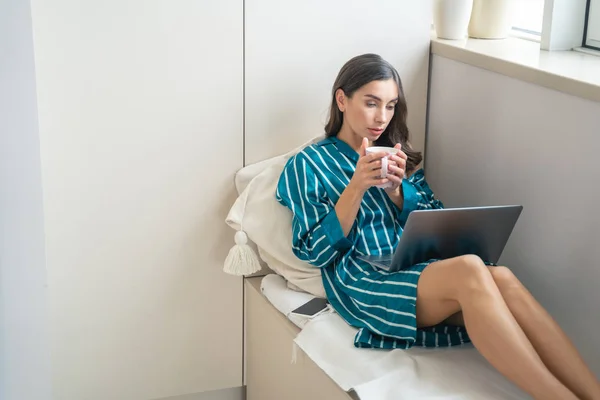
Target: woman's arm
[[347, 207], [321, 229], [397, 196], [413, 194], [317, 235], [366, 175]]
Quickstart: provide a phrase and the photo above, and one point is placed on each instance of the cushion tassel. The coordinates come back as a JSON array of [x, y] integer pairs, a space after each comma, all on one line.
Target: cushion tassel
[[241, 260]]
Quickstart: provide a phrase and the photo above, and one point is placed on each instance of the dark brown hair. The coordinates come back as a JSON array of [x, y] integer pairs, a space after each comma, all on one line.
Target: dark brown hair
[[355, 74]]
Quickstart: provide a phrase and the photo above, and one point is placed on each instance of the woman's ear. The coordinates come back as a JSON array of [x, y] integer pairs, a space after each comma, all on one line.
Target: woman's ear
[[340, 99]]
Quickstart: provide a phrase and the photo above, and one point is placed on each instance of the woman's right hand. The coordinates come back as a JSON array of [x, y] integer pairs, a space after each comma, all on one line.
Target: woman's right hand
[[368, 169]]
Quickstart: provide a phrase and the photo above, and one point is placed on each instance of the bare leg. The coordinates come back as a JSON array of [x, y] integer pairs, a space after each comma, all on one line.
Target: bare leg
[[455, 319], [551, 343], [464, 283]]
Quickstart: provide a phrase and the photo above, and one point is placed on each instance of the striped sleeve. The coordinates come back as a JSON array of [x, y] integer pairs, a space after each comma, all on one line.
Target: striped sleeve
[[417, 195], [318, 237], [425, 197]]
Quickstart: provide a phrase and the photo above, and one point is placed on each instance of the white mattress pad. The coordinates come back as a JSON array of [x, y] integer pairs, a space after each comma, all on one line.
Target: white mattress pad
[[418, 373]]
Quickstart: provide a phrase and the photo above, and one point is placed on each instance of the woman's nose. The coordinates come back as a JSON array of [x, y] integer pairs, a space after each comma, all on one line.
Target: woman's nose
[[381, 117]]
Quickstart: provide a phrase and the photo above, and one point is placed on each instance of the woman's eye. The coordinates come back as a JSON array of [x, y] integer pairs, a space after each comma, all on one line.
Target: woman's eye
[[371, 105], [391, 108]]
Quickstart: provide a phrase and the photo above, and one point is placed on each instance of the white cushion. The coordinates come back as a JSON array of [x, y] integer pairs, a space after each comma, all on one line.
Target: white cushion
[[269, 224], [285, 300]]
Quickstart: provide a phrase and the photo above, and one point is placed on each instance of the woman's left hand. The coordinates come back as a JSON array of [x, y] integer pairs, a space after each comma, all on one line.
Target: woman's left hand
[[396, 170]]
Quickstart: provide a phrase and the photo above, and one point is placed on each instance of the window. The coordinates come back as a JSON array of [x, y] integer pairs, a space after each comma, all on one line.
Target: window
[[591, 37], [528, 16]]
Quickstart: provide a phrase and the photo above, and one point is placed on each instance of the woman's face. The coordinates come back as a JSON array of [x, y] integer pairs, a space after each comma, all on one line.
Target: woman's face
[[370, 109]]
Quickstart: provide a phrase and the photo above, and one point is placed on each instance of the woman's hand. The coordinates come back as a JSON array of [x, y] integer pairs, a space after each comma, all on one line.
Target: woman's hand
[[396, 170], [368, 169]]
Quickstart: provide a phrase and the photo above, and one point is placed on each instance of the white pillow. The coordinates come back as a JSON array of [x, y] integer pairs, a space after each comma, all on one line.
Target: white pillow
[[269, 224]]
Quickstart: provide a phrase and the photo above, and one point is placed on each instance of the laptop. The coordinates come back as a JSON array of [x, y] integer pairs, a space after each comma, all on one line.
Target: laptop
[[451, 232]]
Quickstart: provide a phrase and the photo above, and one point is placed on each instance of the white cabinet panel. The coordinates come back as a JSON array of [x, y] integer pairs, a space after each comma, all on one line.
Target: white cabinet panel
[[294, 51], [140, 105]]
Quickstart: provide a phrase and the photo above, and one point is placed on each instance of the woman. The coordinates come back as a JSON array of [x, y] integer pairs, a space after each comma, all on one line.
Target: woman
[[339, 213]]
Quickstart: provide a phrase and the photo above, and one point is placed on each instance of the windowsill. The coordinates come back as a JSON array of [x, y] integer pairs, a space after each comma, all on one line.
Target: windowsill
[[571, 72], [515, 33]]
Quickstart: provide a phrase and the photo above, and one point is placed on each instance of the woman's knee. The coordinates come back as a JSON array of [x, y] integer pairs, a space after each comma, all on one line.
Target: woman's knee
[[473, 267], [454, 279], [475, 274], [506, 281]]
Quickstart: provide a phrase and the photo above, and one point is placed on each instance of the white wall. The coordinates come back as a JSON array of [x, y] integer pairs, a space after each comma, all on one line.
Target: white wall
[[497, 140], [140, 110], [140, 106], [24, 344], [294, 51]]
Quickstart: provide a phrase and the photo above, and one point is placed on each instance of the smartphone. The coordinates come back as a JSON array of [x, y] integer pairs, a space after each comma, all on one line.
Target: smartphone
[[312, 308]]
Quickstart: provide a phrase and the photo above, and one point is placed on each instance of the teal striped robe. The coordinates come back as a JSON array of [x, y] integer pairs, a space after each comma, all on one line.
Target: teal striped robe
[[381, 305]]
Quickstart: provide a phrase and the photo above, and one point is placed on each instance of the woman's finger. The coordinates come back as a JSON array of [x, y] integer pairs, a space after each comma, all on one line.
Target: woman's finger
[[375, 174], [374, 156], [363, 147], [396, 170], [399, 172], [374, 165], [397, 158], [399, 164], [372, 180], [395, 179]]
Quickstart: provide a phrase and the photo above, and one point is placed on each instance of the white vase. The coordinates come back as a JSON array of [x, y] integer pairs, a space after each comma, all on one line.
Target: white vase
[[451, 18], [491, 19]]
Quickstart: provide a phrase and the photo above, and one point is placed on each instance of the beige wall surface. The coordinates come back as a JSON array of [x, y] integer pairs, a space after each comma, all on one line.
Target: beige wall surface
[[497, 140], [294, 51]]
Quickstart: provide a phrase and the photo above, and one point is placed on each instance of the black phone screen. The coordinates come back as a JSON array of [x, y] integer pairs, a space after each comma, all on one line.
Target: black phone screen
[[312, 307]]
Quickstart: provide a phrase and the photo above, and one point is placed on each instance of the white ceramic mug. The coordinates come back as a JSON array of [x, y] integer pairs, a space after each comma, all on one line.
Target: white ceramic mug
[[384, 161]]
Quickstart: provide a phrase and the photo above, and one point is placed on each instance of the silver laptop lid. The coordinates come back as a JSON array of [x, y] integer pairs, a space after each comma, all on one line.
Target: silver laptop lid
[[452, 232]]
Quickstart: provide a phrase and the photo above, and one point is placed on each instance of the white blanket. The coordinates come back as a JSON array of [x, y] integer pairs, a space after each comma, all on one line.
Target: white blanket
[[427, 374]]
